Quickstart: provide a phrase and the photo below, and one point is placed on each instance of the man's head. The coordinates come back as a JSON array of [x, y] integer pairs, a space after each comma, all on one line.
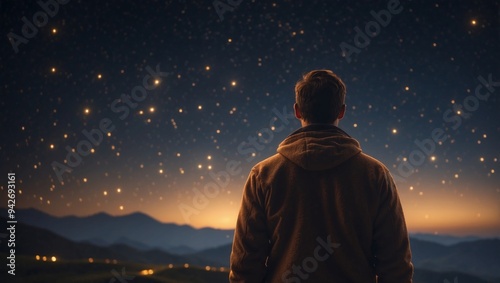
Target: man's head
[[320, 98]]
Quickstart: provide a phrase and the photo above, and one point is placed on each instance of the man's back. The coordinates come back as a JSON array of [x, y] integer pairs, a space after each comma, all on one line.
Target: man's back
[[320, 211]]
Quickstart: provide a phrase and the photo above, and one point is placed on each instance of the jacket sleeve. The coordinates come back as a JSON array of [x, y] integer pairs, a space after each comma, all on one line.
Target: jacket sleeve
[[251, 240], [391, 245]]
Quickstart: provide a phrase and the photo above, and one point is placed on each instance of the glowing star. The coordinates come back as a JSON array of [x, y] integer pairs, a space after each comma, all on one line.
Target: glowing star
[[99, 76], [152, 109], [86, 111], [53, 70], [160, 171], [118, 190], [481, 159], [200, 107], [207, 68], [233, 83], [180, 110], [51, 146], [407, 88], [157, 82], [121, 207], [54, 31], [105, 193], [473, 22], [433, 158], [394, 131]]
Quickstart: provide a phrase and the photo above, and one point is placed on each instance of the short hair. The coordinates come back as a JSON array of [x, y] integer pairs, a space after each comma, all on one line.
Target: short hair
[[320, 95]]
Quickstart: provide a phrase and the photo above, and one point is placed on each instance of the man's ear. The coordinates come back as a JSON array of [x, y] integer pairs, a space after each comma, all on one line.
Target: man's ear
[[342, 112], [297, 111]]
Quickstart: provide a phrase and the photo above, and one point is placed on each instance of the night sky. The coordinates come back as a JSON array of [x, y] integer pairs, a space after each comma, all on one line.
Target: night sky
[[181, 100]]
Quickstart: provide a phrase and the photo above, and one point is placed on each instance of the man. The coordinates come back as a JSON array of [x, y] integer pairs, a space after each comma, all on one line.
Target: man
[[320, 210]]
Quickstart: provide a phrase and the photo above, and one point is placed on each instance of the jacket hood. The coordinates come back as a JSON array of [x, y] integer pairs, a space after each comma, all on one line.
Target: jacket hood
[[319, 147]]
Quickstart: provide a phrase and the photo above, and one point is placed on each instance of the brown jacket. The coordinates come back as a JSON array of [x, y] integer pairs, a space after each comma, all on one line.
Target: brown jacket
[[320, 211]]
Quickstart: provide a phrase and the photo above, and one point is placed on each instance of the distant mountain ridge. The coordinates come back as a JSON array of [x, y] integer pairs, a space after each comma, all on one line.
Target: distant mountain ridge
[[446, 240], [136, 229]]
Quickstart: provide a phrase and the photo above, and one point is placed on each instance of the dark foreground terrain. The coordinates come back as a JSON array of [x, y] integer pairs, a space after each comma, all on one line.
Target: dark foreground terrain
[[30, 270]]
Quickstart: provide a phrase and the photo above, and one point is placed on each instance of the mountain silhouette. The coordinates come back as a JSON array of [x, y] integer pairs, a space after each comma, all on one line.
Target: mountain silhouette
[[136, 229]]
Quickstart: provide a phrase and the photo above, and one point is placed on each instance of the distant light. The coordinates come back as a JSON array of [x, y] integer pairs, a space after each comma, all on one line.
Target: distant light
[[186, 265], [207, 268], [170, 266], [200, 107], [411, 188], [181, 170], [209, 157], [394, 131], [157, 82], [86, 111], [207, 68], [180, 110], [121, 207], [160, 171], [85, 180], [91, 260], [51, 146], [54, 31], [229, 40], [200, 166], [473, 22], [53, 70], [44, 258], [99, 76], [152, 109], [407, 88], [481, 159], [141, 112], [37, 257], [105, 193], [355, 125], [433, 158], [233, 83], [118, 190], [456, 176], [54, 259]]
